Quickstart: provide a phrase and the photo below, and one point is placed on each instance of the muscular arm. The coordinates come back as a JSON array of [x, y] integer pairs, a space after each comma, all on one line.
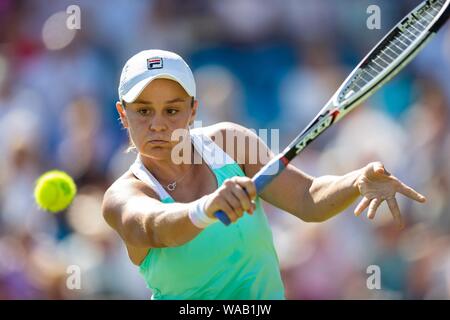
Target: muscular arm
[[312, 199], [143, 221], [329, 195], [308, 198]]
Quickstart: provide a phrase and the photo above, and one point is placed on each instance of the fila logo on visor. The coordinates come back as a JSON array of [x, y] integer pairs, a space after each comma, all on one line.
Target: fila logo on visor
[[154, 63]]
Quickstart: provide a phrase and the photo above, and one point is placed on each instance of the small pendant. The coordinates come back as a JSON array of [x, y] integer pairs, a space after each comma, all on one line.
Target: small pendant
[[172, 186]]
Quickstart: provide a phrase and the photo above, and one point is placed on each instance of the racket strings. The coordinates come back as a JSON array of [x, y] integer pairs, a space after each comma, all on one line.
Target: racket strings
[[401, 40]]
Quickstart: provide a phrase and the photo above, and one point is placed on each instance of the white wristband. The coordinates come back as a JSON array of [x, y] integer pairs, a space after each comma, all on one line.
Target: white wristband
[[198, 215]]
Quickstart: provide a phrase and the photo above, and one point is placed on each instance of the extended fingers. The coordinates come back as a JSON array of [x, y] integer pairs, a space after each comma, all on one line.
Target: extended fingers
[[362, 205], [395, 210], [374, 204], [410, 192]]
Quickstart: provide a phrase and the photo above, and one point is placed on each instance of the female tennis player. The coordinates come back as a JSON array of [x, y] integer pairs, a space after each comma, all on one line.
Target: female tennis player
[[163, 206]]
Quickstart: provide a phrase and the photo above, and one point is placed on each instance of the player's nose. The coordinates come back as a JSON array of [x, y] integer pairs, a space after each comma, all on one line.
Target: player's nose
[[157, 124]]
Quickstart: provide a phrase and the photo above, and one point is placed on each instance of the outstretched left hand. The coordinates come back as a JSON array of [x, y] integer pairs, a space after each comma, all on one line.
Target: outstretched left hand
[[376, 185]]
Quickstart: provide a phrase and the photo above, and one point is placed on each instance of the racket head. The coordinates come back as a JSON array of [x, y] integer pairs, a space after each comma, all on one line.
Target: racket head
[[366, 78], [398, 47]]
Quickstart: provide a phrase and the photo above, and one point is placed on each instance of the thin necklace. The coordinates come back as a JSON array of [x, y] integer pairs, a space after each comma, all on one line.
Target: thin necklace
[[171, 186]]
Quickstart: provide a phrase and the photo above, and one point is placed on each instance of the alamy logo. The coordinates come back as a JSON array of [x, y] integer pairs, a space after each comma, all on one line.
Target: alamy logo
[[374, 279], [154, 63]]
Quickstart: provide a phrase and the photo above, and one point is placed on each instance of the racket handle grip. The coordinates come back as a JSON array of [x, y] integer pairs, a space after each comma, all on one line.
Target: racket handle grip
[[261, 180], [222, 216]]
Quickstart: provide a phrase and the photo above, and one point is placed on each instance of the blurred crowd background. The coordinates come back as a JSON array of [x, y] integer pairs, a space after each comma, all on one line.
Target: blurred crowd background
[[261, 63]]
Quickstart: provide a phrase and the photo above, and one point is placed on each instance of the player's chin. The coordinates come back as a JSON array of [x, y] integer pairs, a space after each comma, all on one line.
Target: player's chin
[[157, 152]]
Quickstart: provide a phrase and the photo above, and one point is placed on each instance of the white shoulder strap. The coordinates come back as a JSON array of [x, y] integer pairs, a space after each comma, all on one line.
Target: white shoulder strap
[[141, 172], [214, 156]]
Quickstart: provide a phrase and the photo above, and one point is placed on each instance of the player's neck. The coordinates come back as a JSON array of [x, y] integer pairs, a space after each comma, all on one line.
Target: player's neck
[[167, 170]]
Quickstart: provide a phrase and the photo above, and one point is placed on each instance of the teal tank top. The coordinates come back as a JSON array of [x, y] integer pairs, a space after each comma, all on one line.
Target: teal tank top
[[234, 262]]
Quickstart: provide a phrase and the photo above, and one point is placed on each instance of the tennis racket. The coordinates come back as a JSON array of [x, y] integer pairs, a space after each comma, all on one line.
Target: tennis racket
[[385, 60]]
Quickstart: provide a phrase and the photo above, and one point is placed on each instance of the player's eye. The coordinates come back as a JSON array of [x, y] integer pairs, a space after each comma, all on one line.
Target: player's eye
[[144, 111], [172, 111]]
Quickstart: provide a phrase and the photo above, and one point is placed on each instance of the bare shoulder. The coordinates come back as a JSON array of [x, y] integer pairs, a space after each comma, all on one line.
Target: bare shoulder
[[225, 129], [233, 138], [121, 191]]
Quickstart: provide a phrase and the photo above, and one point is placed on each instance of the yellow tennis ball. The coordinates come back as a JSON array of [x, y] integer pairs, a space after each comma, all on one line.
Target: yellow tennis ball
[[54, 191]]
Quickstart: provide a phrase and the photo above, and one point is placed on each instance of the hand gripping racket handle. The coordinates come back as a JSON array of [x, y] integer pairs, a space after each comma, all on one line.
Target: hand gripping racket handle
[[261, 180]]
